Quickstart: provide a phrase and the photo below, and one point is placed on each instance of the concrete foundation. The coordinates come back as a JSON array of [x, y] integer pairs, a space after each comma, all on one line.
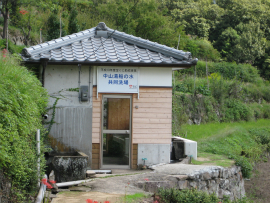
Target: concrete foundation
[[153, 153]]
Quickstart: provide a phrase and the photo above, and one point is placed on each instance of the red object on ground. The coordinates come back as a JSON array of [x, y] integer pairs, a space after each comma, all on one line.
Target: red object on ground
[[44, 181], [89, 201]]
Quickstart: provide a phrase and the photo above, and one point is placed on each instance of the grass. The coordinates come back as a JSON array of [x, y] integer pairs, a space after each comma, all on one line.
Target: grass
[[225, 144], [213, 160], [204, 131], [134, 198]]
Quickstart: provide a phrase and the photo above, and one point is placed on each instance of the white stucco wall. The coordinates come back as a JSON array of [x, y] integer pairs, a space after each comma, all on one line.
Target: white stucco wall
[[73, 119], [149, 76], [59, 79]]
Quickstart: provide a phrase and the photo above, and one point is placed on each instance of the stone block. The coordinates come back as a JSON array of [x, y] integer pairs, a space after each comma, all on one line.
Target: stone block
[[153, 186], [181, 177], [224, 183], [193, 184], [215, 173], [213, 187], [182, 184], [220, 193], [202, 185], [225, 173], [206, 176]]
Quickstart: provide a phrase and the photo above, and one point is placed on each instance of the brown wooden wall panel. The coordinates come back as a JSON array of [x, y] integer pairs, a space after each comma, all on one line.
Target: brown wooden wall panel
[[95, 156], [151, 89], [134, 156], [153, 110], [118, 113], [151, 125], [154, 136], [155, 94], [152, 115], [96, 117], [150, 130], [152, 100], [152, 120], [156, 105], [152, 141]]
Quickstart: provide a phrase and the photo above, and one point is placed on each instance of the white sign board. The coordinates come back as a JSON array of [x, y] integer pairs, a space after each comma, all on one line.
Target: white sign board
[[117, 80]]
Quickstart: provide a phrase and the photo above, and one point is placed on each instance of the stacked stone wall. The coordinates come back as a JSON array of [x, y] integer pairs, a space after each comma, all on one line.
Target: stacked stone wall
[[218, 180], [211, 179]]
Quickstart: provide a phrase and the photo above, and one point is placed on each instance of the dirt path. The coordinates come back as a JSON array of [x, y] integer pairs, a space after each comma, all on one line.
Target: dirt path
[[111, 189], [258, 186], [81, 197]]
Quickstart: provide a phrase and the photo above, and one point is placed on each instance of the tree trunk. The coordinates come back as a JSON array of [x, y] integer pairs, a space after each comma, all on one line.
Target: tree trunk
[[5, 15]]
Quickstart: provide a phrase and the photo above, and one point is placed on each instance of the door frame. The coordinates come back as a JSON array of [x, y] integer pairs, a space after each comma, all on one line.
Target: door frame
[[127, 132]]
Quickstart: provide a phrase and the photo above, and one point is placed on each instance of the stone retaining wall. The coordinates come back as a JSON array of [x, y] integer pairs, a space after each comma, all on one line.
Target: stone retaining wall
[[214, 179], [219, 180]]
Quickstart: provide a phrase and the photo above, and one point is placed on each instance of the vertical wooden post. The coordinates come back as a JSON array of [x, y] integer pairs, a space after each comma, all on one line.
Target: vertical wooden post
[[7, 31], [194, 79], [40, 36], [207, 74], [60, 26]]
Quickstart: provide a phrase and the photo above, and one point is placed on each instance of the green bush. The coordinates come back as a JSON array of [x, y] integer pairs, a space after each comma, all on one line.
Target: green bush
[[202, 49], [22, 102], [12, 48], [236, 110], [245, 147], [178, 196], [228, 71]]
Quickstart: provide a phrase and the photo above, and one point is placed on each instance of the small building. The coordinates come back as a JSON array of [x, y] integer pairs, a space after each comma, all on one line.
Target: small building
[[110, 95]]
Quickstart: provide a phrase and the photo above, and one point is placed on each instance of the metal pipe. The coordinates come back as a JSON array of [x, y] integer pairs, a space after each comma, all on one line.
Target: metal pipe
[[89, 84], [79, 66], [41, 192], [65, 184], [38, 153]]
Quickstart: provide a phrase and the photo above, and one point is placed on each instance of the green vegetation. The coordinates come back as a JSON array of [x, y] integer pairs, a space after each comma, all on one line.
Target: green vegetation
[[213, 159], [236, 31], [229, 84], [134, 198], [12, 48], [195, 196], [22, 102], [244, 142], [222, 92]]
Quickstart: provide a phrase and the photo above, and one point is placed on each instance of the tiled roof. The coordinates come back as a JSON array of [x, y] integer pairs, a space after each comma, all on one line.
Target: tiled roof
[[104, 45]]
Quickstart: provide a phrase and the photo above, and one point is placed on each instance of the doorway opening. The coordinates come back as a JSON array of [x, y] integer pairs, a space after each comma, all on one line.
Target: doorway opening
[[116, 131]]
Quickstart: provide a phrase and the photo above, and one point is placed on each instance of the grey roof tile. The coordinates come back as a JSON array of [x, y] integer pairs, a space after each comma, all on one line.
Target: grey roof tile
[[90, 46]]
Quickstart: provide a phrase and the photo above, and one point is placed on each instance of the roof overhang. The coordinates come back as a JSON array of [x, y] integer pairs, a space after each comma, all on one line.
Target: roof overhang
[[174, 66], [102, 46]]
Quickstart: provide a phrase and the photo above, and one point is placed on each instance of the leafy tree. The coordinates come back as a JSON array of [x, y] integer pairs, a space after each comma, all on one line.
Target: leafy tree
[[73, 26], [251, 44], [54, 26], [7, 7], [263, 63], [226, 42], [198, 26]]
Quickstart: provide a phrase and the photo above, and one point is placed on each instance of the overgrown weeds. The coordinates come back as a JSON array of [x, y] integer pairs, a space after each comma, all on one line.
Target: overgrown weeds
[[22, 102], [195, 196], [244, 142]]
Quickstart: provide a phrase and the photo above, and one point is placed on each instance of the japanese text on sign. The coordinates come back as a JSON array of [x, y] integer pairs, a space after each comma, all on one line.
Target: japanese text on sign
[[118, 80]]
